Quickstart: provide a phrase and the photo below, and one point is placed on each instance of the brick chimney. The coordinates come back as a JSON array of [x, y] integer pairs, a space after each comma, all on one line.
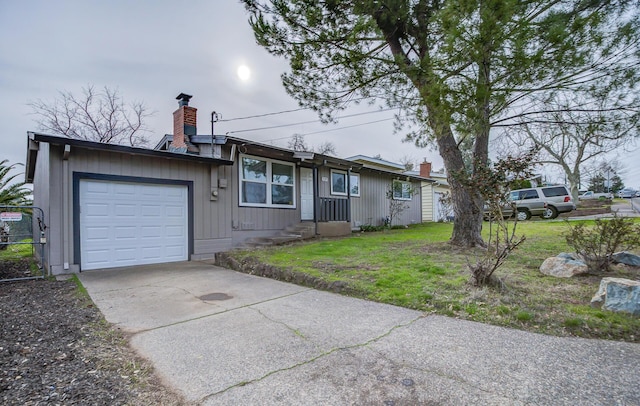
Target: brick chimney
[[184, 123], [425, 169]]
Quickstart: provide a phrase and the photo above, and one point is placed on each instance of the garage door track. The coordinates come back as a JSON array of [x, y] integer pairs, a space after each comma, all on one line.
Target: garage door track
[[222, 337]]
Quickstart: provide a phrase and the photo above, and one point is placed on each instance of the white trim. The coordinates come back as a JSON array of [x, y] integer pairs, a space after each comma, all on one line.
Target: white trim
[[353, 175], [268, 182], [393, 194]]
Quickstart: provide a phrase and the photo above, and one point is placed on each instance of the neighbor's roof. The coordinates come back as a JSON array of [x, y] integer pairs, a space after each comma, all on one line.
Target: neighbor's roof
[[377, 162]]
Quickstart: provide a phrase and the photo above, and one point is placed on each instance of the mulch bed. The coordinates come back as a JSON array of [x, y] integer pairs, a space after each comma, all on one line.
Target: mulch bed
[[56, 349]]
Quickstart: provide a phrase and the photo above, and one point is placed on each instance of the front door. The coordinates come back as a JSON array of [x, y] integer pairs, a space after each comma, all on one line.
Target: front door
[[306, 194]]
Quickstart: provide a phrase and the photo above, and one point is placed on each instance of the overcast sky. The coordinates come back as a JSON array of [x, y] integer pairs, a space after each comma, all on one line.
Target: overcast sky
[[152, 51]]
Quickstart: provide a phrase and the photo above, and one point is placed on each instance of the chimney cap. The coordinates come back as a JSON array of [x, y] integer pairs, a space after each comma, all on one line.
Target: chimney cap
[[183, 99]]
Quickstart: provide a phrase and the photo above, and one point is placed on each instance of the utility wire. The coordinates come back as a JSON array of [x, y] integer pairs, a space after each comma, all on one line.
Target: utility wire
[[332, 129], [305, 122], [280, 112], [263, 115]]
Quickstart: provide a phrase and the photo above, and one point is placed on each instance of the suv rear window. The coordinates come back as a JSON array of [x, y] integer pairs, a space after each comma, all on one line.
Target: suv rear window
[[555, 191]]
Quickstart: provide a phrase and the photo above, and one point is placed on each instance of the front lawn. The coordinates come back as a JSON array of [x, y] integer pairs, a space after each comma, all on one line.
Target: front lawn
[[418, 269]]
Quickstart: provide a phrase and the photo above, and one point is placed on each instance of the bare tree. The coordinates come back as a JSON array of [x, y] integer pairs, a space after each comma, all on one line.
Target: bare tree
[[297, 143], [326, 148], [100, 116], [408, 162], [571, 138]]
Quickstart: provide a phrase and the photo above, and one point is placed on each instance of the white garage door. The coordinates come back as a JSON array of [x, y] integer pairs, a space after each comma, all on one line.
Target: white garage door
[[124, 224]]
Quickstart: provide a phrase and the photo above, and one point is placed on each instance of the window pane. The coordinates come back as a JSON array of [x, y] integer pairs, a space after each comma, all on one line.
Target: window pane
[[406, 190], [254, 192], [397, 190], [254, 169], [281, 194], [338, 183], [355, 185], [282, 174]]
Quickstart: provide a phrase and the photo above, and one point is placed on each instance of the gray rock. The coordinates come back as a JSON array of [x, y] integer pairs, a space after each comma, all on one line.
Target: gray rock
[[626, 258], [563, 266], [618, 295]]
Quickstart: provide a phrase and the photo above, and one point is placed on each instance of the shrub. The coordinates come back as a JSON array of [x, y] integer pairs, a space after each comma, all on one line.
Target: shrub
[[596, 245]]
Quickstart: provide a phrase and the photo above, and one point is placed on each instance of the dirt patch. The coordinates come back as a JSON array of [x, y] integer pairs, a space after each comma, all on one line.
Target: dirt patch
[[55, 348]]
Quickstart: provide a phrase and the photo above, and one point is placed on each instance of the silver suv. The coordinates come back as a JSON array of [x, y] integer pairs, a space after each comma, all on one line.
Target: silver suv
[[546, 202]]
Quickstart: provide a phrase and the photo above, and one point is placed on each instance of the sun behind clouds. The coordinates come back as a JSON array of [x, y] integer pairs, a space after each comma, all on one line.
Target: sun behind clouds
[[244, 73]]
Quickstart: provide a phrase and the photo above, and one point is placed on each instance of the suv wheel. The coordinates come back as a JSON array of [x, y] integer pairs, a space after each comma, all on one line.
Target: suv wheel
[[550, 213], [523, 215]]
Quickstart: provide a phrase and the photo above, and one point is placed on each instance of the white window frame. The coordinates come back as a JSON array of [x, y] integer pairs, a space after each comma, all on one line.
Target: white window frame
[[269, 182], [354, 176], [404, 183]]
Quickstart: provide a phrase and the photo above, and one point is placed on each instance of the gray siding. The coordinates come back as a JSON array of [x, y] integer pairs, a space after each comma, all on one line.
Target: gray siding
[[250, 222], [372, 206], [211, 226]]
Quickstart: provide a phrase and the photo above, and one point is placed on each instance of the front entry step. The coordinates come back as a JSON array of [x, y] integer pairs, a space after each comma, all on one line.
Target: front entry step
[[296, 232]]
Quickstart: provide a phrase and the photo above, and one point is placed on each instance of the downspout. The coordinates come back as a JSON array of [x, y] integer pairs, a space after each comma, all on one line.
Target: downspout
[[66, 207], [349, 196], [316, 197]]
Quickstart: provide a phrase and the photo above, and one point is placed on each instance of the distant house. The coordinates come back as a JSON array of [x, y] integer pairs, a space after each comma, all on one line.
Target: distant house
[[195, 195], [433, 187], [437, 193]]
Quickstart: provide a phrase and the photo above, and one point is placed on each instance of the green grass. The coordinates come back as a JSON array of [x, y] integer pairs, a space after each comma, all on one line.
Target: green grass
[[418, 269], [17, 251]]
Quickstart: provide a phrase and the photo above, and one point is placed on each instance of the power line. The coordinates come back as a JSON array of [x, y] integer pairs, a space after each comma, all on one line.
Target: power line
[[305, 122], [284, 111], [332, 129], [263, 115]]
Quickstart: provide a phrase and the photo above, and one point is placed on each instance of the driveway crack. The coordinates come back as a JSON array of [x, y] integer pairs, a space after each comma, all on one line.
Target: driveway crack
[[313, 359]]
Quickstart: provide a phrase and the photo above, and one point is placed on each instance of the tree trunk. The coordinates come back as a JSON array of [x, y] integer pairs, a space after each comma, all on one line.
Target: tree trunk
[[467, 203]]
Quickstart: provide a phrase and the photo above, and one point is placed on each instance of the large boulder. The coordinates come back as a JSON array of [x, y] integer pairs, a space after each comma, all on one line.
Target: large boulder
[[626, 258], [618, 295], [563, 266]]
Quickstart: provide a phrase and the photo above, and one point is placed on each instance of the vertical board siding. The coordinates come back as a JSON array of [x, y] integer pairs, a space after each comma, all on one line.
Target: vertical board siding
[[373, 206], [211, 218], [257, 219], [427, 202]]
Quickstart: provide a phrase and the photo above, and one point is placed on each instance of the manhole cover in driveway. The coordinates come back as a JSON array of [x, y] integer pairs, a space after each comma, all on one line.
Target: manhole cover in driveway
[[215, 296]]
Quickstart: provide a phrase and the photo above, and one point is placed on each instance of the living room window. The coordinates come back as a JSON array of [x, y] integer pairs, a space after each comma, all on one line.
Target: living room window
[[339, 183], [266, 183], [401, 190]]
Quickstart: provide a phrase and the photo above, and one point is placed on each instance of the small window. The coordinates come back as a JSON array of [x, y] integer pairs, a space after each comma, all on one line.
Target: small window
[[401, 190], [339, 183]]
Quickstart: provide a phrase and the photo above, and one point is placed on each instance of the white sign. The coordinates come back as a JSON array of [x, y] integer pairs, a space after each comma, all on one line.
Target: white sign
[[10, 216]]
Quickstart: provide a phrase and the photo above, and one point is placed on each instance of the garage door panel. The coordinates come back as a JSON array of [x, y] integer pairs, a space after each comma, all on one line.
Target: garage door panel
[[97, 233], [124, 189], [97, 188], [150, 231], [124, 210], [125, 224], [125, 233], [152, 210], [97, 209]]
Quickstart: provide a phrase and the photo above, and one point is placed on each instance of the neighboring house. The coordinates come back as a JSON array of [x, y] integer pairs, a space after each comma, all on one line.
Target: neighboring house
[[435, 193], [433, 186], [195, 195]]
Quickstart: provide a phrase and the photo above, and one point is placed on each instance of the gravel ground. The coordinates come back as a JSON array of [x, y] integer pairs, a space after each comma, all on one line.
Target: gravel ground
[[56, 349]]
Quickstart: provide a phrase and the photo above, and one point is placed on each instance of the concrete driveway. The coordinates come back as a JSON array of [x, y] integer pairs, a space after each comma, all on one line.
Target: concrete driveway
[[222, 337]]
